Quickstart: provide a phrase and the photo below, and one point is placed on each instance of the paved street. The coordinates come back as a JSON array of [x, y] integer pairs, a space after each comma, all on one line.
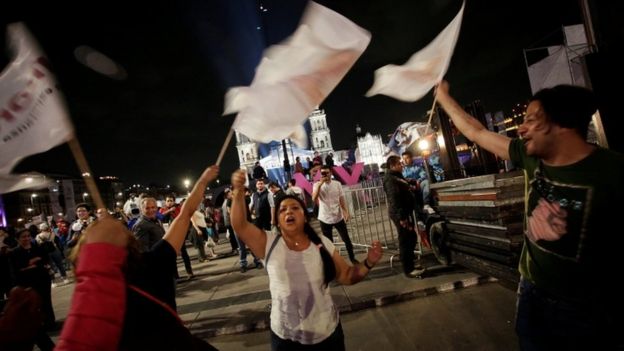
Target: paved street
[[448, 309], [478, 318]]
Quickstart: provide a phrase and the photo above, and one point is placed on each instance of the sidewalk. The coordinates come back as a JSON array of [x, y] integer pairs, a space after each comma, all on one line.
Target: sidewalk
[[221, 300]]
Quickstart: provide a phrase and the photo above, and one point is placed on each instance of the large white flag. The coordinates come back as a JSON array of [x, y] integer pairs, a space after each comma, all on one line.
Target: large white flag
[[33, 117], [296, 76], [423, 70]]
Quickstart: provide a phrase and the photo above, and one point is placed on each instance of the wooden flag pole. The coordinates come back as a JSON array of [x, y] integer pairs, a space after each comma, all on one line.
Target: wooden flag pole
[[435, 99], [81, 161], [225, 145]]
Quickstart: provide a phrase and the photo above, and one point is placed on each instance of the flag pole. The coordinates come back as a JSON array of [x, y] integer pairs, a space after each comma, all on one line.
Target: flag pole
[[81, 161], [225, 145], [435, 99]]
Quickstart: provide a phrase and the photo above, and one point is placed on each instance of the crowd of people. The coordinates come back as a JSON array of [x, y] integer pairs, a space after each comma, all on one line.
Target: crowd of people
[[125, 268]]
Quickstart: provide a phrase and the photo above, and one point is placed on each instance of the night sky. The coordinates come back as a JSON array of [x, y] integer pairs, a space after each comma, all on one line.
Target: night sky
[[163, 122]]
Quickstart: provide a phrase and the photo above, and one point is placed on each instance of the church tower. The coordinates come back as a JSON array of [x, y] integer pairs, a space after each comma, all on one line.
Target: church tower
[[247, 151], [320, 138]]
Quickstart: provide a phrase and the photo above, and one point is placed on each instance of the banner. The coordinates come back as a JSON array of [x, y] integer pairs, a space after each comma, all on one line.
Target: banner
[[404, 136], [33, 117]]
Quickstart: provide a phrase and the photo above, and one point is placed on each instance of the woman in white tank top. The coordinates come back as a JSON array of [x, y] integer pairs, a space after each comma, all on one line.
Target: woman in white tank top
[[300, 264]]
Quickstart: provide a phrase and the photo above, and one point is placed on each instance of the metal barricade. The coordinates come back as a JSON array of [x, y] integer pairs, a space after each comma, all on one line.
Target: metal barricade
[[368, 207]]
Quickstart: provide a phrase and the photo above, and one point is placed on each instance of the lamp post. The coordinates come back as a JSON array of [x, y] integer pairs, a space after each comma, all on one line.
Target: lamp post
[[84, 197], [32, 201]]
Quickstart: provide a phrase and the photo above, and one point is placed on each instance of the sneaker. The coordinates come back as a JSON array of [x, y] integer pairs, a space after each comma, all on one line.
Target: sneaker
[[66, 281], [243, 269], [415, 273], [259, 265], [54, 285]]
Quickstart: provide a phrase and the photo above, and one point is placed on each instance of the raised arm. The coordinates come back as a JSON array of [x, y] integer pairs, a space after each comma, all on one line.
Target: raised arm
[[99, 299], [316, 189], [470, 127], [177, 231], [252, 236]]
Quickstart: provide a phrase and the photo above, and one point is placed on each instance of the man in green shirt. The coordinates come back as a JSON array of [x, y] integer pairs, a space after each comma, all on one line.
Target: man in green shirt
[[571, 246]]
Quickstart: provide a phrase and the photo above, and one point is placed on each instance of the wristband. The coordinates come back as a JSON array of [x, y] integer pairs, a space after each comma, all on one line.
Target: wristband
[[366, 264]]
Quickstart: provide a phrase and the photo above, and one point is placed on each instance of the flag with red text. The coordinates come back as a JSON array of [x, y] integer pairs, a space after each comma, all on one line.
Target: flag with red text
[[33, 116]]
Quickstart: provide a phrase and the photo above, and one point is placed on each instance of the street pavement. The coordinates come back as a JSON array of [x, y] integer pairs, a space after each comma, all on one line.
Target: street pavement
[[460, 309]]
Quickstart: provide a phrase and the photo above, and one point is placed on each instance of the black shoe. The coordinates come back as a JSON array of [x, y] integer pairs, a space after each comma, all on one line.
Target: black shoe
[[259, 265], [243, 269]]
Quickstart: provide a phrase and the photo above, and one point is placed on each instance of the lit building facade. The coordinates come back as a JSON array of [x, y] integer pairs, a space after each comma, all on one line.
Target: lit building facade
[[371, 149]]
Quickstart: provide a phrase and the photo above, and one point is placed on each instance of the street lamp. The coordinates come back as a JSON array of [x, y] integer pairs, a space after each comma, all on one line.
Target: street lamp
[[84, 196], [187, 184]]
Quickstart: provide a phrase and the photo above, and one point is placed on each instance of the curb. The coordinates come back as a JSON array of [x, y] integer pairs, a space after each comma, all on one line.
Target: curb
[[262, 322]]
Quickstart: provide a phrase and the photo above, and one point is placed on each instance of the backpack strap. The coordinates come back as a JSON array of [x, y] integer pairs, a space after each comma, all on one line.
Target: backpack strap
[[273, 244]]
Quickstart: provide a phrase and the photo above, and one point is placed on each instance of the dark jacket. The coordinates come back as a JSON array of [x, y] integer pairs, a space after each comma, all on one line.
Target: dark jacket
[[148, 232], [262, 210], [400, 197], [259, 173]]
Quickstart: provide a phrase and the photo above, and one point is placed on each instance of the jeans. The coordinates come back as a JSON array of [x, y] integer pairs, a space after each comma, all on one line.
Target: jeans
[[242, 248], [341, 227], [548, 322], [334, 342]]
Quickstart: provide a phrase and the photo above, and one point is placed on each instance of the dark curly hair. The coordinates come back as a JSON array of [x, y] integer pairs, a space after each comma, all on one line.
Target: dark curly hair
[[568, 106]]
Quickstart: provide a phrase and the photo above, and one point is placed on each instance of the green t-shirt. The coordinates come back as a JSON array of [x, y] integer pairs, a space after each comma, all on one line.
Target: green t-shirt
[[573, 235]]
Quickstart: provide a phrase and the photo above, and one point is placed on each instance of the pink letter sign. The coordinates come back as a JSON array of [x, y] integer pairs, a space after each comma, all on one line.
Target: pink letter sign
[[341, 174]]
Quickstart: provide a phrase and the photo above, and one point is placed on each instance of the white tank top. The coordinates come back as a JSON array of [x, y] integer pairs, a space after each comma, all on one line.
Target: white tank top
[[302, 309]]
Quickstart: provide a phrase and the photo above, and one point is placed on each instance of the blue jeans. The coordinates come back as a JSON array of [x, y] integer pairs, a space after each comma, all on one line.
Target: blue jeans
[[334, 342], [548, 322], [242, 248]]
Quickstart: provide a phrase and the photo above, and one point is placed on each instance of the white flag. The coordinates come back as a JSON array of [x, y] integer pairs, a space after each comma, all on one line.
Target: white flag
[[15, 182], [296, 76], [423, 70], [33, 117]]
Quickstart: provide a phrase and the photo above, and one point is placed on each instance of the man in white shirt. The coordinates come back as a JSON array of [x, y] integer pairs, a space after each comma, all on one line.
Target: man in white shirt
[[332, 209]]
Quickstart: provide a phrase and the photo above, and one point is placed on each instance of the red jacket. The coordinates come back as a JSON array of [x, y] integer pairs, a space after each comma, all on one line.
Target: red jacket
[[95, 319]]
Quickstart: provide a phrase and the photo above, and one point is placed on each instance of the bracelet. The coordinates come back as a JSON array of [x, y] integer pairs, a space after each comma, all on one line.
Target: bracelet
[[366, 264]]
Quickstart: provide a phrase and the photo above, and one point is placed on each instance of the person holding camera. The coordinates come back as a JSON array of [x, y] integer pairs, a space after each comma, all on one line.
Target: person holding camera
[[333, 211]]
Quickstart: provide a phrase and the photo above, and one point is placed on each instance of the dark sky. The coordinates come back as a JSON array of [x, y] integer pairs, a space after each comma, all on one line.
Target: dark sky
[[163, 123]]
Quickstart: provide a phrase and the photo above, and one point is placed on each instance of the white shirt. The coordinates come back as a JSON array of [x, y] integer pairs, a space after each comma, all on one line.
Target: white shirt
[[329, 202], [302, 308], [199, 219]]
